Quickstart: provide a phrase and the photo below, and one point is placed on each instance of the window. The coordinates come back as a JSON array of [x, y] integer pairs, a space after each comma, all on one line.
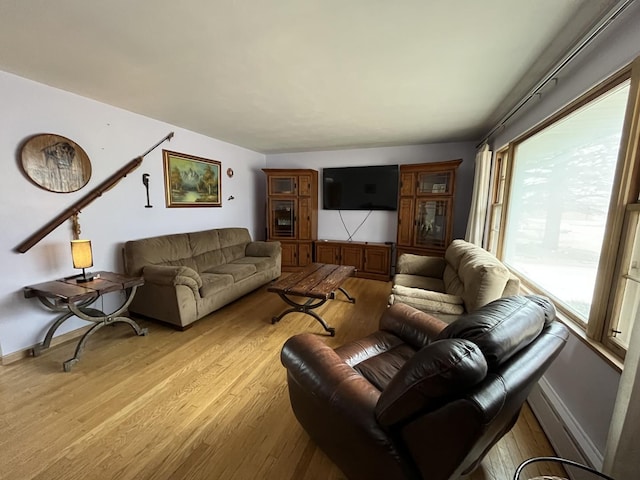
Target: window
[[559, 199], [627, 292], [565, 214], [497, 198]]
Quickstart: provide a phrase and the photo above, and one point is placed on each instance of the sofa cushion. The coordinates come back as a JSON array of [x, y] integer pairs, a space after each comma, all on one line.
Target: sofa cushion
[[424, 266], [473, 274], [216, 247], [205, 247], [233, 242], [203, 242], [236, 270], [417, 281], [172, 249], [213, 283], [261, 263], [427, 300], [430, 378]]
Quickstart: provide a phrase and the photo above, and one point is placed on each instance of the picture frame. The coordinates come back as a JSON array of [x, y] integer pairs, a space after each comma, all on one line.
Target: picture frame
[[191, 181]]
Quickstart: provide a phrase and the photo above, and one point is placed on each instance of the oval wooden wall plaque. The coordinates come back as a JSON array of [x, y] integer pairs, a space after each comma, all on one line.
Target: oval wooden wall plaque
[[55, 163]]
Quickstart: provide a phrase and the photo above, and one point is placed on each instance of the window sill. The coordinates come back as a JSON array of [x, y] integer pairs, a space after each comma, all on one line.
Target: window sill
[[598, 348], [613, 360]]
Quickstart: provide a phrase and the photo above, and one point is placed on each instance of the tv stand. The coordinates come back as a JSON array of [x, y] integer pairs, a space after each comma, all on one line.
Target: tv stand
[[371, 260]]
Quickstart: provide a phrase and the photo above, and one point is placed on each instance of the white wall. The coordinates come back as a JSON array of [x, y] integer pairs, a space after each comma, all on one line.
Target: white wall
[[111, 137], [582, 381], [381, 226]]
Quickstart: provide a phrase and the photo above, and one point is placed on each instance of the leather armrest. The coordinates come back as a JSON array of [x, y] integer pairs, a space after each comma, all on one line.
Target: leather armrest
[[425, 266], [262, 249], [172, 275], [319, 370], [413, 326], [335, 403]]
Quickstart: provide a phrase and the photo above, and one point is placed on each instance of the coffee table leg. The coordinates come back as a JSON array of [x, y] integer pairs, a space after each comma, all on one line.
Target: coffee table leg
[[304, 308]]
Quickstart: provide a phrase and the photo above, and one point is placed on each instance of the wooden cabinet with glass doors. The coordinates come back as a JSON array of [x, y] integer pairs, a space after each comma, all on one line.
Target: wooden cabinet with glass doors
[[425, 207], [292, 213]]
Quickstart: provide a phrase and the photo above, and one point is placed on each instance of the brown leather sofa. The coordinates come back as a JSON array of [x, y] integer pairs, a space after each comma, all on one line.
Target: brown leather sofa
[[420, 398]]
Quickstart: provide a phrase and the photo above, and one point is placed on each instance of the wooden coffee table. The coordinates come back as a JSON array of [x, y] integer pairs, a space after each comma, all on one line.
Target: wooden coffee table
[[316, 282]]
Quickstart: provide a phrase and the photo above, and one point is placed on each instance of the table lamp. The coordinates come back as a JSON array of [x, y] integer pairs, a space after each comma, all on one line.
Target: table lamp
[[82, 258]]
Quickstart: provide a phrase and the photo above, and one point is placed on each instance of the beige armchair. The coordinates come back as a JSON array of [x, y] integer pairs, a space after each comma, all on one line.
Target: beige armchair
[[467, 278]]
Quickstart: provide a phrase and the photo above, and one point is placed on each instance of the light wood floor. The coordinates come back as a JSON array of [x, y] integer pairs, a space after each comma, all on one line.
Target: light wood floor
[[207, 403]]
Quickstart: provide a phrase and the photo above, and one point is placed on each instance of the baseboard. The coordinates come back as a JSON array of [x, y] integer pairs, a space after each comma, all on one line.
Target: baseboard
[[565, 434], [59, 340]]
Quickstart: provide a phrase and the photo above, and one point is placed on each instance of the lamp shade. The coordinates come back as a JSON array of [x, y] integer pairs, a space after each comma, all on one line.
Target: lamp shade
[[81, 253]]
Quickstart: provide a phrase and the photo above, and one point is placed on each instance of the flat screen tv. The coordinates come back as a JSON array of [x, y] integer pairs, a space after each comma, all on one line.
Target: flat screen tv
[[360, 188]]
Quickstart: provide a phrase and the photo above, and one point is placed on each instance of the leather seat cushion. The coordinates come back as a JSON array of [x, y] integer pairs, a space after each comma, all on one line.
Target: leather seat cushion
[[357, 351], [380, 369]]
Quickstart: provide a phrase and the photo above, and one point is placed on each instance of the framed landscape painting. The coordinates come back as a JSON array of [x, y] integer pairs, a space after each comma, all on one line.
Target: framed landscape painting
[[191, 181]]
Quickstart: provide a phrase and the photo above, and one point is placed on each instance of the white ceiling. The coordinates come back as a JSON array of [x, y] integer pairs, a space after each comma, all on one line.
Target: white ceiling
[[296, 75]]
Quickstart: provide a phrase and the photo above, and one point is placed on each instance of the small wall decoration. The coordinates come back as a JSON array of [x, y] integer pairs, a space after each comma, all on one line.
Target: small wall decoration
[[145, 182], [191, 181], [55, 163]]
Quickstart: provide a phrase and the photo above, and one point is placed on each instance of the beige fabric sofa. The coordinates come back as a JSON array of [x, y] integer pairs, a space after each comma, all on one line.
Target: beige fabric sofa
[[467, 278], [189, 275]]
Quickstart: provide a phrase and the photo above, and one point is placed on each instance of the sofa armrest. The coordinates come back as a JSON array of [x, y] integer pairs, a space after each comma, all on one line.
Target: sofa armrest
[[425, 266], [262, 249], [172, 275], [413, 326]]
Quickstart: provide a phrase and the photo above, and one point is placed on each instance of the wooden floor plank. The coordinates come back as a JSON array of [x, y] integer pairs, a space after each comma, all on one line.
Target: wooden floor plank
[[207, 403]]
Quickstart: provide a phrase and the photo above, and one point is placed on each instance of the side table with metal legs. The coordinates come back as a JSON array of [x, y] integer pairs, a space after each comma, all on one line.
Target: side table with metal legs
[[74, 299]]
